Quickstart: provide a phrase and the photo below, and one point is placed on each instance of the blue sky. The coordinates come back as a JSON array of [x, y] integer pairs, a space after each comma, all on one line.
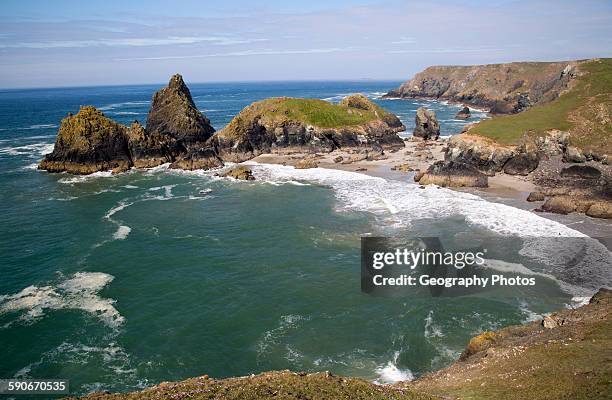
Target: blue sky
[[76, 43]]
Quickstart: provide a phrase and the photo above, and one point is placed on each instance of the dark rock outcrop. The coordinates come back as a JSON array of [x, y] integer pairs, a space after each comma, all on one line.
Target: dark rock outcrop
[[426, 124], [88, 142], [285, 124], [464, 113], [503, 88], [522, 163], [173, 114], [241, 173], [453, 174], [483, 153], [580, 172], [176, 133]]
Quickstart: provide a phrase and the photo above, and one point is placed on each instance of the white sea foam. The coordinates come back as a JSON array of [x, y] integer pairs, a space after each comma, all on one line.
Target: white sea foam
[[431, 330], [122, 232], [79, 292], [35, 149], [360, 192], [403, 203], [126, 113], [391, 373], [126, 104], [31, 127], [84, 178]]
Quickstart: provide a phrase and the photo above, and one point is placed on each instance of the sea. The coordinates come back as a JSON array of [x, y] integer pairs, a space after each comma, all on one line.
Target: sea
[[119, 282]]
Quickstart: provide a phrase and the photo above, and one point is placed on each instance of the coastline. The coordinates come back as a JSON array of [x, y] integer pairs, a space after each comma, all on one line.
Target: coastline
[[511, 190]]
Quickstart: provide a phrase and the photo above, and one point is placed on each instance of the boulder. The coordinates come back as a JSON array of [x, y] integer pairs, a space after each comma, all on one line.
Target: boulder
[[241, 173], [522, 164], [573, 154], [549, 322], [88, 142], [580, 172], [536, 196], [427, 125], [418, 175], [338, 159], [464, 113], [174, 114], [453, 174], [600, 209], [483, 153], [306, 163]]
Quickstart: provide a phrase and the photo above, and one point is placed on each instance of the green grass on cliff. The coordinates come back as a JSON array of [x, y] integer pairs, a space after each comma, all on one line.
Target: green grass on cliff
[[585, 111], [315, 112]]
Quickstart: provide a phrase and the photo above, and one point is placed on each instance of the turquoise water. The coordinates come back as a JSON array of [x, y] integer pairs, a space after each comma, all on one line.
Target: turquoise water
[[119, 282]]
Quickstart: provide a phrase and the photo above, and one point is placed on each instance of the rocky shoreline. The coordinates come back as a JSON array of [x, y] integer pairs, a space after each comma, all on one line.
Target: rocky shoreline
[[564, 355], [308, 132]]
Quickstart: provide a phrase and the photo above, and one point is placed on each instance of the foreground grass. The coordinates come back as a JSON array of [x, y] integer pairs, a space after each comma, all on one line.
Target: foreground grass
[[585, 110], [571, 361], [281, 385]]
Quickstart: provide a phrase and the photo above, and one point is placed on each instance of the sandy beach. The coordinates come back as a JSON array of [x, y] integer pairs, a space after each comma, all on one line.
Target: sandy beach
[[401, 165]]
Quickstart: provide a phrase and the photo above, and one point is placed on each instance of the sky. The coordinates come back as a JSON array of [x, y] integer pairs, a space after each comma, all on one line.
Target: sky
[[86, 43]]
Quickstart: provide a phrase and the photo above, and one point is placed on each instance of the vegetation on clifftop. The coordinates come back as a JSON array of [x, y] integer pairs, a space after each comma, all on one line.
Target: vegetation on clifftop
[[352, 111], [585, 110]]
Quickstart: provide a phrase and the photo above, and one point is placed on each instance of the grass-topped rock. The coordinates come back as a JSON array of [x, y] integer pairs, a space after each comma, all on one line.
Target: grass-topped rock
[[88, 142], [307, 124]]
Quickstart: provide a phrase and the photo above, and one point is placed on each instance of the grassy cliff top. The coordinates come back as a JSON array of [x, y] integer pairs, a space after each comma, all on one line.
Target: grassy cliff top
[[585, 110], [352, 111]]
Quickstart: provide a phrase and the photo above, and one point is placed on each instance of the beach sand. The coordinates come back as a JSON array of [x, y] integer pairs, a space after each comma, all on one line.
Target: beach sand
[[418, 156]]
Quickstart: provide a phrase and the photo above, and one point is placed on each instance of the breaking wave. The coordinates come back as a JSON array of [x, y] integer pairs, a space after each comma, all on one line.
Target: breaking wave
[[79, 292]]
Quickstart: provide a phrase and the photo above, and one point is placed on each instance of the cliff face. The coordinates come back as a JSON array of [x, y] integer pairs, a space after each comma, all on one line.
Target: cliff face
[[176, 133], [502, 88], [284, 123]]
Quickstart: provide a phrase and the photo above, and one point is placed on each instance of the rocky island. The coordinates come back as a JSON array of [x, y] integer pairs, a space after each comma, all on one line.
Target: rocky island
[[565, 355], [176, 132], [310, 125]]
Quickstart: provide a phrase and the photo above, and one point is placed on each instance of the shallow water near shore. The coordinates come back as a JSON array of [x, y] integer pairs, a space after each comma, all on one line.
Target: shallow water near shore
[[121, 281]]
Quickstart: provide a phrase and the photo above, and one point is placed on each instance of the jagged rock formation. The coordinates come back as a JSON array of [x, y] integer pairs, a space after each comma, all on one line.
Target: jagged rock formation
[[88, 142], [464, 113], [426, 124], [283, 124], [452, 174], [174, 114], [503, 88], [176, 133]]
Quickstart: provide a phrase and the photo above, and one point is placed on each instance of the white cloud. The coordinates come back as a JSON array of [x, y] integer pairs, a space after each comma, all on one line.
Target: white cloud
[[131, 42], [445, 50], [405, 40], [243, 53]]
